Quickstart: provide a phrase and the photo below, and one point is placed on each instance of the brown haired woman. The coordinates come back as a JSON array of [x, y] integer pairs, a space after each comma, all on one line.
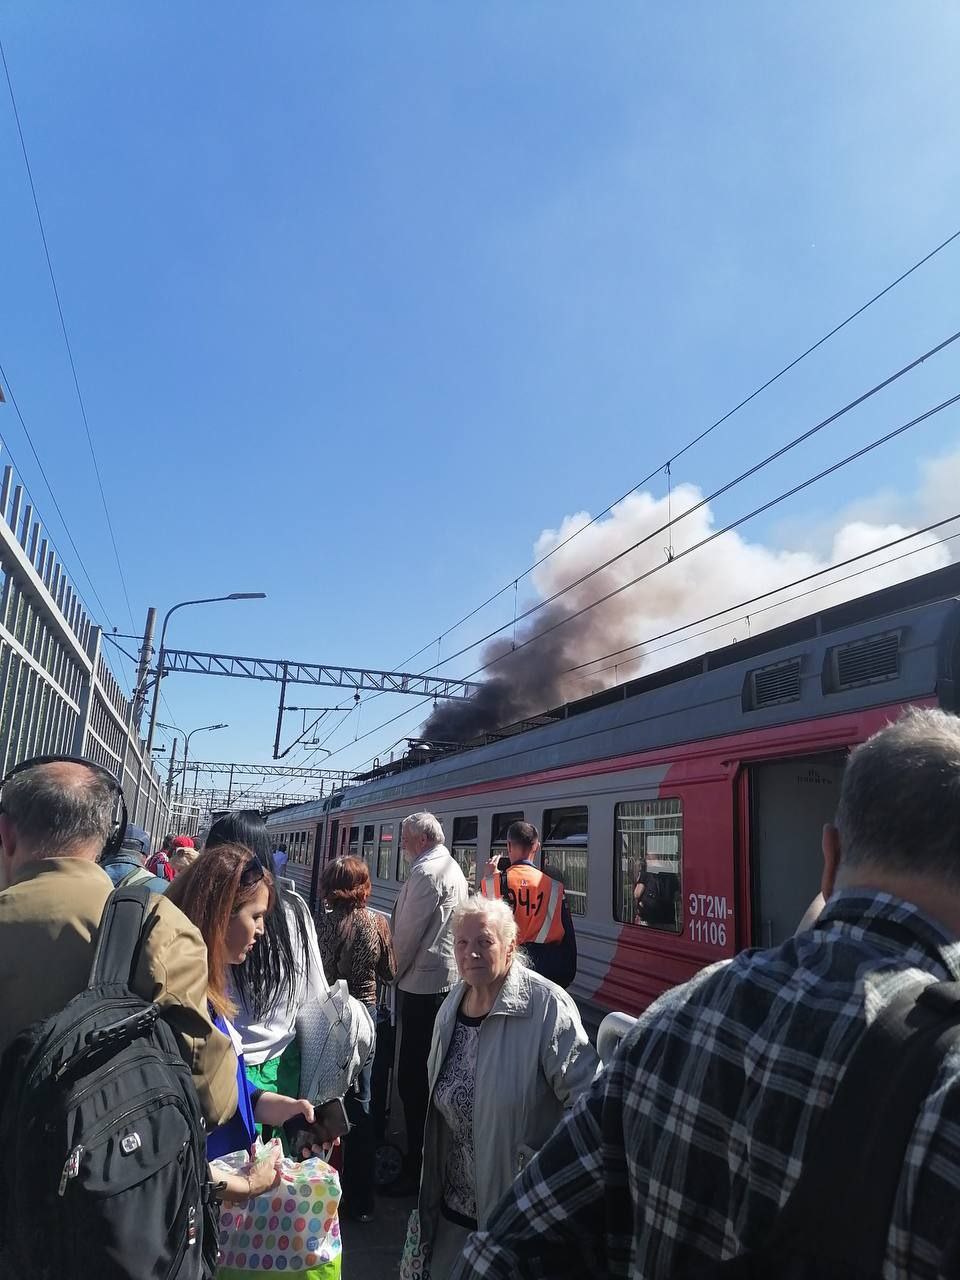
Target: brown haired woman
[[227, 894], [355, 945]]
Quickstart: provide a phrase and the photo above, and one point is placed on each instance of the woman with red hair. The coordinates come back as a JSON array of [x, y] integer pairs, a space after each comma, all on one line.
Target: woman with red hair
[[355, 945], [227, 894]]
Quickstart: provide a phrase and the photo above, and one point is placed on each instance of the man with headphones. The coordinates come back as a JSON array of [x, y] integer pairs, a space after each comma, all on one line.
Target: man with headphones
[[57, 817]]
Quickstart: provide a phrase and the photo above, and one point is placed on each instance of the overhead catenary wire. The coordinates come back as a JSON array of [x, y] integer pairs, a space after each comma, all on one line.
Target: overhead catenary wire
[[105, 613], [667, 463], [775, 591], [673, 521], [751, 471], [679, 555], [734, 524], [786, 586], [66, 335], [699, 437]]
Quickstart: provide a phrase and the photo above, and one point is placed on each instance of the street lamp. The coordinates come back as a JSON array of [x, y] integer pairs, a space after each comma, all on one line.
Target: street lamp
[[186, 750], [234, 595]]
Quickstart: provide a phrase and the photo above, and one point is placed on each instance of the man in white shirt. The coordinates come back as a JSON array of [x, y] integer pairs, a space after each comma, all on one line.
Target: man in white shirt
[[426, 969]]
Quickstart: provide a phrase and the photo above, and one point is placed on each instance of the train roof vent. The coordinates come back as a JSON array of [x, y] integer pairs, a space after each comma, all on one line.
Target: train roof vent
[[866, 661], [770, 686]]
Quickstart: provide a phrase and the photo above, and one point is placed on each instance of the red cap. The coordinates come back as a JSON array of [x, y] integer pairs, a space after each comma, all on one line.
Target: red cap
[[183, 842]]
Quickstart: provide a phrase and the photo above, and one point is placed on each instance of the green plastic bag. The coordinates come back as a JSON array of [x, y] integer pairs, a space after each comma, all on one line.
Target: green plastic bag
[[292, 1229]]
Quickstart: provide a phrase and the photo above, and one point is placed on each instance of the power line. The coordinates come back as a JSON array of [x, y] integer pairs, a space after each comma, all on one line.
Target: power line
[[719, 492], [702, 435], [930, 528], [666, 464], [728, 528], [53, 497], [117, 645], [66, 336], [774, 591], [751, 471]]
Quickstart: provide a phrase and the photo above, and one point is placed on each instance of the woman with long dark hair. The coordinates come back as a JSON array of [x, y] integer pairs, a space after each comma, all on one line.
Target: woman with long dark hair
[[283, 973], [228, 896], [356, 945]]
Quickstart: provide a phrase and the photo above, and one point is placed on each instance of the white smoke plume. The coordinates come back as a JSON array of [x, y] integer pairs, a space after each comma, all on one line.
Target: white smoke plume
[[537, 677]]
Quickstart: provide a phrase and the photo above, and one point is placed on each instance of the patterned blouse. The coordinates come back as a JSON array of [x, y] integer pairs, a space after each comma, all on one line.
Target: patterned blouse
[[355, 944], [453, 1097]]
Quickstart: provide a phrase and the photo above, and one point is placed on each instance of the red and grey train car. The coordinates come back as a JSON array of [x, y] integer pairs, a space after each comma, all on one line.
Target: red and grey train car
[[711, 780]]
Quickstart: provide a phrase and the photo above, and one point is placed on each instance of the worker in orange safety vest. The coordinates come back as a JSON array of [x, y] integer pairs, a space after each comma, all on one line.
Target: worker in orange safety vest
[[545, 928]]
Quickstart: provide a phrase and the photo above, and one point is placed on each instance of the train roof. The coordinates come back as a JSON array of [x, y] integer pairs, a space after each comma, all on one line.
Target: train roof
[[838, 659]]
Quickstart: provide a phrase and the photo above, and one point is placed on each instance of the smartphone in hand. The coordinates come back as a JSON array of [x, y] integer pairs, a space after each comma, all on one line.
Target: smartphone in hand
[[330, 1122]]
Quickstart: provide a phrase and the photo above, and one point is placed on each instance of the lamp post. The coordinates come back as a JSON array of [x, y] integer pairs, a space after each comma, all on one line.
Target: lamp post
[[234, 595], [186, 750]]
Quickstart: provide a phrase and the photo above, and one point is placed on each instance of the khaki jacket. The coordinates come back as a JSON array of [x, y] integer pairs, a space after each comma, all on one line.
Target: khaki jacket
[[49, 920], [533, 1061], [422, 933]]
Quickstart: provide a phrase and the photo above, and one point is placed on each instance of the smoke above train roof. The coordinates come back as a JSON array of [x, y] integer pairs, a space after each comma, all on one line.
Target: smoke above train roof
[[591, 626], [938, 585]]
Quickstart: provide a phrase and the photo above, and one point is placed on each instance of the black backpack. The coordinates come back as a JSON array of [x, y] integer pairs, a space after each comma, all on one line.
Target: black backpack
[[835, 1223], [104, 1169]]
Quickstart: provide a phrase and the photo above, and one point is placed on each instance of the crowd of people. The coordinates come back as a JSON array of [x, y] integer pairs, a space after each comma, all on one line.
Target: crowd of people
[[709, 1136]]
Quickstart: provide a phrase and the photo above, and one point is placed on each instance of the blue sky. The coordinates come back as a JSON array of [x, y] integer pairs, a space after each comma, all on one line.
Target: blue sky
[[364, 297]]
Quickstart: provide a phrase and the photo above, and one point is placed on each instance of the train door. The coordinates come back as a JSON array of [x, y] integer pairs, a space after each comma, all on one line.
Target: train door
[[790, 800]]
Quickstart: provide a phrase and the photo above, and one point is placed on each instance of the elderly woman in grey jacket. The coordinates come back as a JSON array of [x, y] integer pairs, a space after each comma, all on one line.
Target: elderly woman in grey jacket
[[509, 1053]]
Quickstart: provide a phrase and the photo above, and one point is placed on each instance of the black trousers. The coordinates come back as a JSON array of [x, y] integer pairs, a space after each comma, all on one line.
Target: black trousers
[[417, 1016], [360, 1145]]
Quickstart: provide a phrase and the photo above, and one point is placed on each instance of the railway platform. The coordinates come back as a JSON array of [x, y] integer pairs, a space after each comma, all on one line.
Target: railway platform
[[372, 1251]]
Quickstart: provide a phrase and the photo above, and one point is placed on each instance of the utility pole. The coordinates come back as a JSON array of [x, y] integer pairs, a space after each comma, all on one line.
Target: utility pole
[[230, 788], [143, 668], [173, 756]]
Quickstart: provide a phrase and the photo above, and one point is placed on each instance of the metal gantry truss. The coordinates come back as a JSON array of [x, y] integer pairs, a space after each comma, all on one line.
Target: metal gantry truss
[[189, 815], [266, 770], [315, 673]]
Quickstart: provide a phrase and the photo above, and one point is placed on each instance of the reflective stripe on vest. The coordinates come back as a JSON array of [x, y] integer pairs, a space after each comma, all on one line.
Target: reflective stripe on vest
[[538, 912], [490, 888], [551, 915]]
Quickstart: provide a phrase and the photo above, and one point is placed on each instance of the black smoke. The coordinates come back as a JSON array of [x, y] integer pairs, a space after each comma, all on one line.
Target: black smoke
[[535, 676]]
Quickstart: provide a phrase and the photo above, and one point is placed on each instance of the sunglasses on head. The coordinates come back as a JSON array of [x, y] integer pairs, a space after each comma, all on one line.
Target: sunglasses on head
[[251, 874]]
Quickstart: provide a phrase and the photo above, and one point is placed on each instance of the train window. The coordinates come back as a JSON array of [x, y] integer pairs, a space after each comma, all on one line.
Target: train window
[[565, 852], [648, 854], [367, 847], [354, 842], [498, 831], [464, 848], [385, 851], [308, 848]]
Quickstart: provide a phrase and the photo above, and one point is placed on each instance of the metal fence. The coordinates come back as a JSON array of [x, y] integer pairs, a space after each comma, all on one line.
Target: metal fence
[[57, 694]]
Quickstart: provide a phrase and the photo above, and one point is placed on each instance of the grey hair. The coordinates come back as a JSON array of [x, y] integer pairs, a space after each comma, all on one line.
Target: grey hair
[[899, 806], [425, 825], [499, 916], [54, 811]]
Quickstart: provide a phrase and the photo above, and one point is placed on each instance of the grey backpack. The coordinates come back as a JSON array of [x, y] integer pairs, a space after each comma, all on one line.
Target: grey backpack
[[336, 1036]]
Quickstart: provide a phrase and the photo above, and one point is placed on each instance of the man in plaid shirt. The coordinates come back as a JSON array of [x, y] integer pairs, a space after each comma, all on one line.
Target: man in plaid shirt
[[689, 1143]]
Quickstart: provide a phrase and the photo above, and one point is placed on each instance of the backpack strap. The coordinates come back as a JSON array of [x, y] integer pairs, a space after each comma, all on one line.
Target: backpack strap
[[139, 875], [118, 942], [841, 1206]]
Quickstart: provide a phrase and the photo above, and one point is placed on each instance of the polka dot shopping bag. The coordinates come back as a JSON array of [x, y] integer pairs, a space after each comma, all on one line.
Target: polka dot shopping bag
[[293, 1229]]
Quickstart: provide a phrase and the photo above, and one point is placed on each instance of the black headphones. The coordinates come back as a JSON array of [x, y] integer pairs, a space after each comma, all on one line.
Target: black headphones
[[115, 839]]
